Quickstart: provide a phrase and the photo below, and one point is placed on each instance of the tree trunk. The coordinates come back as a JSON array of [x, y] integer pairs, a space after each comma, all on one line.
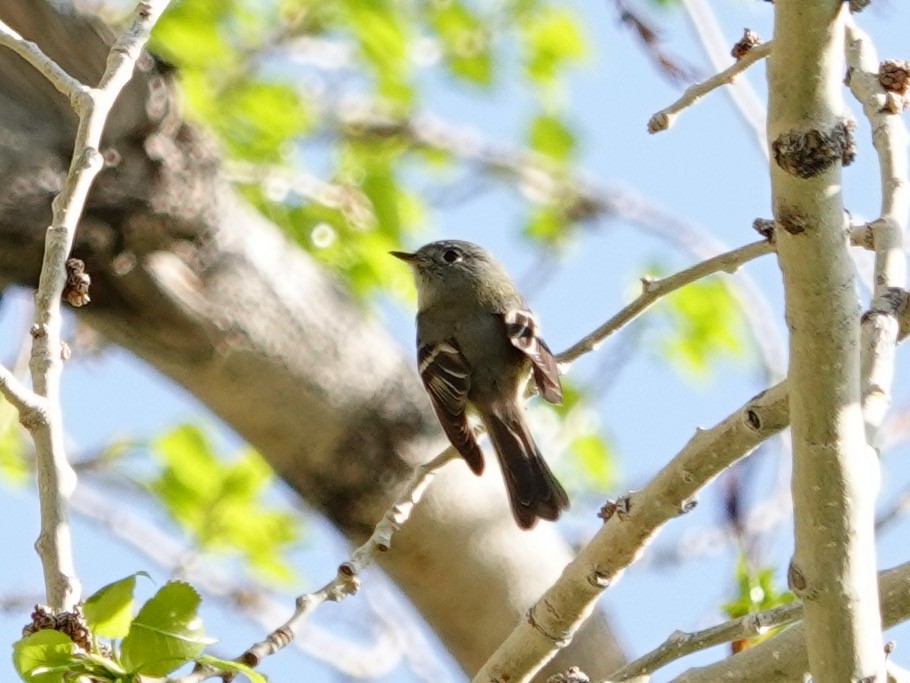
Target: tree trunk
[[197, 284]]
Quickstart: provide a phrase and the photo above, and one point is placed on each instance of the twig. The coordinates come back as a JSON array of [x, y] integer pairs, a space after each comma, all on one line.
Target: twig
[[629, 525], [741, 93], [655, 289], [32, 407], [880, 326], [66, 84], [663, 119], [56, 478], [347, 580], [680, 643]]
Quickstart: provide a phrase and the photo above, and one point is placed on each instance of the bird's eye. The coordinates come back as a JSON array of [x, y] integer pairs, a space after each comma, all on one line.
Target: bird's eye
[[451, 256]]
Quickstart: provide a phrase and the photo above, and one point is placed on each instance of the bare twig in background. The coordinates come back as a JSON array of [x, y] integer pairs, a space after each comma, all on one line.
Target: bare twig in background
[[56, 479], [672, 67], [679, 644]]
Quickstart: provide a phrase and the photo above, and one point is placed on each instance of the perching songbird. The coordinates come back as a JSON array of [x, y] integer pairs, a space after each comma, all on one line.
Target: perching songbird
[[477, 345]]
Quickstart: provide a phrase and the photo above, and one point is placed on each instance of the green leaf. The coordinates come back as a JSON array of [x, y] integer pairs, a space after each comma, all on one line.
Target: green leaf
[[550, 135], [465, 41], [230, 665], [705, 324], [594, 460], [109, 610], [547, 224], [552, 39], [166, 633], [43, 656], [13, 465], [382, 35]]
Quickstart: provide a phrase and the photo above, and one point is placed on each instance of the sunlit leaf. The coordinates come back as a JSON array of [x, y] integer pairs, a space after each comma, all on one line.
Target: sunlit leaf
[[43, 656], [166, 633], [553, 39], [465, 40], [13, 465], [231, 665], [109, 610], [705, 324], [551, 136]]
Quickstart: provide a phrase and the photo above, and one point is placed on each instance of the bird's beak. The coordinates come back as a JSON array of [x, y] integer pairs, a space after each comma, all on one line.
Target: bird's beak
[[410, 259]]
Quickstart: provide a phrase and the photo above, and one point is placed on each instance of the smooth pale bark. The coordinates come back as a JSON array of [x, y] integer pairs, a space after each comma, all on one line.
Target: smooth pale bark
[[835, 473], [203, 289]]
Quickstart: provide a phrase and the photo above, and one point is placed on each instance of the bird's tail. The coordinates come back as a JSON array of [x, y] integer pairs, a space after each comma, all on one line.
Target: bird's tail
[[533, 490]]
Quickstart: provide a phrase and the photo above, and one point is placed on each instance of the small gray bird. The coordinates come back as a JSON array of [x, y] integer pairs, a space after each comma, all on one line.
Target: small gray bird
[[477, 344]]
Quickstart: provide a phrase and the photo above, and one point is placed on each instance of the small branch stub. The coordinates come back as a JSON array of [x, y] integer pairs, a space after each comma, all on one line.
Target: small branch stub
[[745, 44], [894, 77], [71, 623], [75, 293], [806, 154]]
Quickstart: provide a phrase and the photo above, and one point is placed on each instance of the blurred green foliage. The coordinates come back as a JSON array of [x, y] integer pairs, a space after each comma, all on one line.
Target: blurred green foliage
[[276, 79], [755, 591], [698, 325], [220, 504]]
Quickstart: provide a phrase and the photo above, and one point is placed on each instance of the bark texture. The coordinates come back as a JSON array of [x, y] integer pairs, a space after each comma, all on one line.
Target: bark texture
[[194, 282], [835, 472]]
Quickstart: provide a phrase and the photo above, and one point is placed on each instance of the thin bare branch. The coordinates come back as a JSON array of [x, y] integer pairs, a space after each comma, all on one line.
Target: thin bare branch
[[750, 107], [30, 52], [652, 290], [783, 657], [665, 118], [680, 643], [32, 407]]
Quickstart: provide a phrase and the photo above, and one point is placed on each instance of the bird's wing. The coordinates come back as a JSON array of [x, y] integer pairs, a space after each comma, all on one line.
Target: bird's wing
[[447, 378], [521, 328]]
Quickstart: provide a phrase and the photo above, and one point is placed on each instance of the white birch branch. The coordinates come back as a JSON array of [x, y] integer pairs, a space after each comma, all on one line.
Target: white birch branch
[[835, 473], [880, 325], [629, 525], [56, 478]]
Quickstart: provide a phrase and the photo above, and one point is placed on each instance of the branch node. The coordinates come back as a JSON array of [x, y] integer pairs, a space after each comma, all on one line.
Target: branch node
[[745, 44], [764, 227], [599, 579], [808, 153], [35, 417]]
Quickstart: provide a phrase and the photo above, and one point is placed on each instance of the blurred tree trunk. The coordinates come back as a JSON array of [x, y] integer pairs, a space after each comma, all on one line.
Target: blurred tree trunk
[[193, 281]]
